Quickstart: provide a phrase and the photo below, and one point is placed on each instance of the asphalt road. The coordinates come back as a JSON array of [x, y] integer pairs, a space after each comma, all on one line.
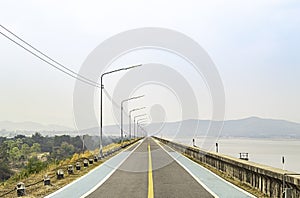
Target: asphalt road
[[154, 175]]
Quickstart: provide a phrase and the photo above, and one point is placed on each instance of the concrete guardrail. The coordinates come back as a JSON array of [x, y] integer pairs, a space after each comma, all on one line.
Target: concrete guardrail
[[272, 182]]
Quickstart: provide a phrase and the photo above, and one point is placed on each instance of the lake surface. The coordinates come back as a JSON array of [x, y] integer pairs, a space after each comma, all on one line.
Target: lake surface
[[263, 151]]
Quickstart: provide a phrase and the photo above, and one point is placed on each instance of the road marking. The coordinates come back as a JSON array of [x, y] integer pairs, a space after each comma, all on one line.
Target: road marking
[[186, 169], [108, 176], [217, 176], [94, 170], [150, 178]]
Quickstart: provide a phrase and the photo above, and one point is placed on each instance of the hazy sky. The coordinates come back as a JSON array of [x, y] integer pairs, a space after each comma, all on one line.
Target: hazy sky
[[254, 44]]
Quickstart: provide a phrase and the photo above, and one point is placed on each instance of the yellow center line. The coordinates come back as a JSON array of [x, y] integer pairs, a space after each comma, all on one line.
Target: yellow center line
[[150, 178]]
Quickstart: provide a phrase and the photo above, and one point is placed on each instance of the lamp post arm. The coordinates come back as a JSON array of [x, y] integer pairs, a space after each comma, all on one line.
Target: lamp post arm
[[121, 69]]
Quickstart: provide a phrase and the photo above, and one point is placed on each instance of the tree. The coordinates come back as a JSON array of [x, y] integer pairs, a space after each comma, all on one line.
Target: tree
[[58, 140], [2, 139], [25, 150], [3, 152], [67, 149], [47, 145], [29, 141], [5, 172], [38, 138], [35, 165], [19, 143], [62, 151], [36, 147], [77, 143], [15, 154], [11, 144], [19, 137]]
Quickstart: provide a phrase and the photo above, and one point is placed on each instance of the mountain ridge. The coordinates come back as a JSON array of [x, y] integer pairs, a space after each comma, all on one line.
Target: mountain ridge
[[246, 127], [31, 126]]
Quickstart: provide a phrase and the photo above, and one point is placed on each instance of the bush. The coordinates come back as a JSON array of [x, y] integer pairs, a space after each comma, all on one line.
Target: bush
[[35, 165], [5, 172]]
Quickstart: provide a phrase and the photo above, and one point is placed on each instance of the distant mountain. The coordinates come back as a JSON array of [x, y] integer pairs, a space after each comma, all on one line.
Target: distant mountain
[[252, 127], [258, 127], [30, 126]]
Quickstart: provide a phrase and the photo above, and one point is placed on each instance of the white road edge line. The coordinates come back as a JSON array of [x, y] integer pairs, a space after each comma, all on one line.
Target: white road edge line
[[75, 181], [114, 170], [234, 186], [187, 170]]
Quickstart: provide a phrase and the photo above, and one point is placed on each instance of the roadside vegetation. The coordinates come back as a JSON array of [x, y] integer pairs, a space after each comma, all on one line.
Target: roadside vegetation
[[21, 156], [29, 159]]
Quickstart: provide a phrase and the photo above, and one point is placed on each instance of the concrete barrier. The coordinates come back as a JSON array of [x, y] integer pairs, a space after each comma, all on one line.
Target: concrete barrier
[[268, 180]]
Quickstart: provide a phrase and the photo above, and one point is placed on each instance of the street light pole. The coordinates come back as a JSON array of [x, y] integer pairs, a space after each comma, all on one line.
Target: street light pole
[[144, 131], [142, 128], [126, 100], [101, 110], [138, 122], [134, 122], [131, 111], [139, 127]]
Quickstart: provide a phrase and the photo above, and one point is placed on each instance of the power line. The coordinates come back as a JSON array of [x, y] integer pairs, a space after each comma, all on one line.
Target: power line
[[69, 72], [110, 98], [73, 75]]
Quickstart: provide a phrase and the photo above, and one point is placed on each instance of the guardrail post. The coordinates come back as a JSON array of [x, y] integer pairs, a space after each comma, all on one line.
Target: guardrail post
[[46, 180], [20, 189], [70, 169], [78, 167], [60, 174], [95, 159]]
